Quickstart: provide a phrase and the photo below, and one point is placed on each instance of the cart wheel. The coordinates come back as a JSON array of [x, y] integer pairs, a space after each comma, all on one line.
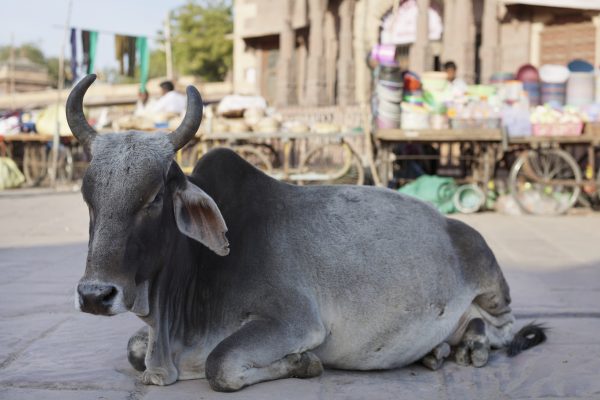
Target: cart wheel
[[254, 157], [35, 162], [188, 157], [545, 182], [324, 166], [64, 166]]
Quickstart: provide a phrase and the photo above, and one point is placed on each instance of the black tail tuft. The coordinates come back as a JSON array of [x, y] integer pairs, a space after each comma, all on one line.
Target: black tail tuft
[[530, 335]]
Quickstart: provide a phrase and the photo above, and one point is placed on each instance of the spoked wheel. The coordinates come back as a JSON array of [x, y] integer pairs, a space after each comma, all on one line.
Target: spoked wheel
[[545, 181], [189, 156], [255, 157], [65, 167], [35, 163], [327, 165]]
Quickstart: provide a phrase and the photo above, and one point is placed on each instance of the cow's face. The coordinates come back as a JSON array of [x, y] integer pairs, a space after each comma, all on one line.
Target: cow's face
[[139, 201]]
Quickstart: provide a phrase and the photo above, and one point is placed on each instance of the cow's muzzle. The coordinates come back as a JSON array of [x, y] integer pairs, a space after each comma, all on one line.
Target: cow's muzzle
[[97, 298]]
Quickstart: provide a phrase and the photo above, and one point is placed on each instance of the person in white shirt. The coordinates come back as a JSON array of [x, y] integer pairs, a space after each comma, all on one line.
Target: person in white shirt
[[457, 86], [170, 102]]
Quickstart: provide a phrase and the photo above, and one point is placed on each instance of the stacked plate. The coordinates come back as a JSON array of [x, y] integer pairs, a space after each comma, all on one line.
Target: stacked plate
[[554, 83], [389, 96]]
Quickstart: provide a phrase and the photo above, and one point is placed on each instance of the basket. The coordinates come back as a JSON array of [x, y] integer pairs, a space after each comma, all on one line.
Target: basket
[[592, 128], [465, 123], [567, 129]]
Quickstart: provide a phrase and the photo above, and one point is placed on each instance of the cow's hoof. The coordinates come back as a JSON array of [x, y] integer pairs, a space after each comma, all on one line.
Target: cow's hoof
[[476, 354], [435, 359], [159, 377], [307, 365]]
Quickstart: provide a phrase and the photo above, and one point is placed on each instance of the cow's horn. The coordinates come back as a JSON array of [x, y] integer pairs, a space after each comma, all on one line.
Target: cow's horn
[[191, 121], [76, 119]]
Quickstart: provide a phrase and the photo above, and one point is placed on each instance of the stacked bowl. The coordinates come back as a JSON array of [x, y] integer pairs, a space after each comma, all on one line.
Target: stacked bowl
[[389, 96], [530, 77]]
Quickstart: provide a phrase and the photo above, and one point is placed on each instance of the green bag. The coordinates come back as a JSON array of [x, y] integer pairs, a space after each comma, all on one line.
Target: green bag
[[10, 176], [436, 190]]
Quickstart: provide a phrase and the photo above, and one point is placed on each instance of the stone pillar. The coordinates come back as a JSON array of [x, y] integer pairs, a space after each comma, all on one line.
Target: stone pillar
[[448, 41], [490, 51], [286, 85], [315, 80], [419, 56], [346, 62], [464, 54]]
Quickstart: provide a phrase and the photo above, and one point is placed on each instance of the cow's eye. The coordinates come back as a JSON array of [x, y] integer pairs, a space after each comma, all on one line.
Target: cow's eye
[[157, 199]]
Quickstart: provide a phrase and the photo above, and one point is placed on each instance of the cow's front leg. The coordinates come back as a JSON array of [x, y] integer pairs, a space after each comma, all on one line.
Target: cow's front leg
[[137, 348], [262, 351], [160, 369]]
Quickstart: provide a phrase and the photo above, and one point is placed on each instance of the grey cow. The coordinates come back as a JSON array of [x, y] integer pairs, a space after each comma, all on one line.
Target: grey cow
[[346, 277]]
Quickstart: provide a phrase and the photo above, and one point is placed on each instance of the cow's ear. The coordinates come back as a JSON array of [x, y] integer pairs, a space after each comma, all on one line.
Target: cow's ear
[[198, 217]]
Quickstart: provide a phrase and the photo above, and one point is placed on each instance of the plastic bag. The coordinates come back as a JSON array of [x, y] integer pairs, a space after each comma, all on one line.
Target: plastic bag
[[10, 176], [436, 190]]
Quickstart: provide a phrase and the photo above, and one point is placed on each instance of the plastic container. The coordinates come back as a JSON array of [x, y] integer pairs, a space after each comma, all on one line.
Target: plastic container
[[414, 120], [578, 65], [533, 90], [551, 73], [581, 88], [384, 54], [468, 199], [528, 73], [554, 93]]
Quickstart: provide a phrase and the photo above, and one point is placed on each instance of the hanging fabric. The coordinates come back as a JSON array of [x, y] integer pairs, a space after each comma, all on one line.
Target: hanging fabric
[[120, 51], [74, 54], [89, 40], [93, 46], [130, 50], [125, 46], [144, 56], [85, 45]]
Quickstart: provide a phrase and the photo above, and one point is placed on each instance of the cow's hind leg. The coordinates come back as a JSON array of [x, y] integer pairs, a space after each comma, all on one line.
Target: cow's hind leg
[[475, 345], [136, 349], [435, 359], [262, 351]]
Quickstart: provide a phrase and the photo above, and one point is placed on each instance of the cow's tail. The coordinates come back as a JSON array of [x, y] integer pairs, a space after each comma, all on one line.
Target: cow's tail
[[529, 336]]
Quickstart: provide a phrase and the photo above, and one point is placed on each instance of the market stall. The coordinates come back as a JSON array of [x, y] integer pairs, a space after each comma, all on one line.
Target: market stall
[[523, 132]]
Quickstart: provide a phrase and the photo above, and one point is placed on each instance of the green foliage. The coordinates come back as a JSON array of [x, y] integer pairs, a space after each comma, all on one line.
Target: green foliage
[[200, 39], [29, 51], [158, 64], [34, 54]]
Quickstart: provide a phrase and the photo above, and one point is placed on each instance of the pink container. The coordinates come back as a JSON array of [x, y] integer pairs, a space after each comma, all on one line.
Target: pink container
[[384, 54], [570, 129], [384, 123]]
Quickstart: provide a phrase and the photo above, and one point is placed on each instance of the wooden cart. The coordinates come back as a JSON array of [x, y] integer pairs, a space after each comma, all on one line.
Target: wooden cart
[[301, 158], [548, 177], [32, 152], [473, 150]]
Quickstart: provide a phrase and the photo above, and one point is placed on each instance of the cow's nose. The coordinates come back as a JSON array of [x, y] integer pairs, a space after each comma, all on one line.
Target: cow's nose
[[96, 298]]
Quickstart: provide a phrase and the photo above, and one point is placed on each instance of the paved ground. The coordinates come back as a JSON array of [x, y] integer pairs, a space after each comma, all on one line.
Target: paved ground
[[50, 351]]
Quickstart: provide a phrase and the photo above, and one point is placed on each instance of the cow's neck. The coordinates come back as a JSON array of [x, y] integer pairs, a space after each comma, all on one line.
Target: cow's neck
[[180, 292]]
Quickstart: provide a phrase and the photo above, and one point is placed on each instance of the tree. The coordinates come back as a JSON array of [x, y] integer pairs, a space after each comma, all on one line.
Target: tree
[[34, 54], [200, 39]]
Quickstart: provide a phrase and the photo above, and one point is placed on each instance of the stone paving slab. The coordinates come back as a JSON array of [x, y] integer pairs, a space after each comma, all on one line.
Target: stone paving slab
[[50, 351]]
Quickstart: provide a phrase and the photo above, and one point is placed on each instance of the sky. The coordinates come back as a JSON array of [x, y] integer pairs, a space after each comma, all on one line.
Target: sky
[[42, 22]]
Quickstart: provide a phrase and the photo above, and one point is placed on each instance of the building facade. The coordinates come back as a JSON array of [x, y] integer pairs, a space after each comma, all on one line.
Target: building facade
[[313, 52]]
